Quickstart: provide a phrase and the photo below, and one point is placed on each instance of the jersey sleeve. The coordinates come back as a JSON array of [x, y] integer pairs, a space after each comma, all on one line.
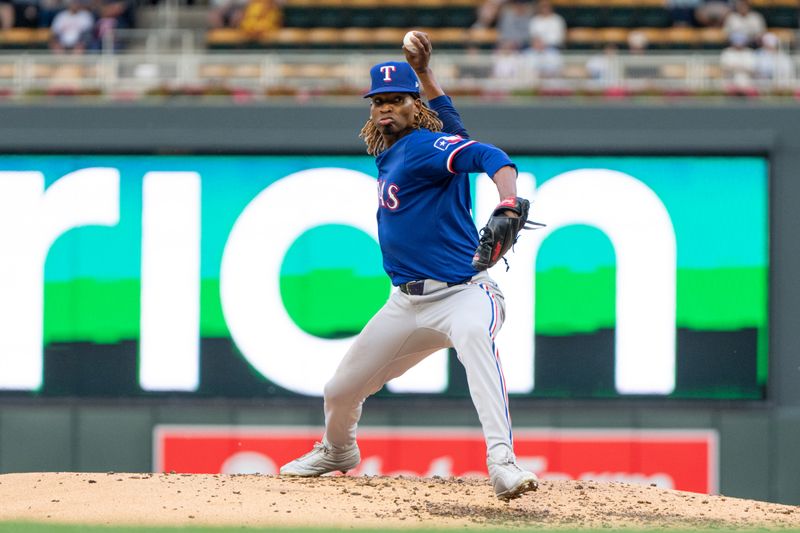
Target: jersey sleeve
[[432, 154], [450, 118], [479, 157], [440, 155]]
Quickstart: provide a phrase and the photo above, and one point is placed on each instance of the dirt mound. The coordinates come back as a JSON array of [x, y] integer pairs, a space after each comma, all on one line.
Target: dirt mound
[[248, 500]]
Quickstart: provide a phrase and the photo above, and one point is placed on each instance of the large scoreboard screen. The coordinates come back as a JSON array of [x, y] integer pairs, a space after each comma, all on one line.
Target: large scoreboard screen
[[248, 276]]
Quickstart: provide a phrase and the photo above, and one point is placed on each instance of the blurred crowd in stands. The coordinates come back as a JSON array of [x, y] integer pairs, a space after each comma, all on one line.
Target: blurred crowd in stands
[[531, 36], [519, 22], [76, 25], [255, 17]]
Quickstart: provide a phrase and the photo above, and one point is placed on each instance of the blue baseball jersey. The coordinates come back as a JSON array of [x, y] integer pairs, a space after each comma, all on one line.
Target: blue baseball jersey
[[425, 225]]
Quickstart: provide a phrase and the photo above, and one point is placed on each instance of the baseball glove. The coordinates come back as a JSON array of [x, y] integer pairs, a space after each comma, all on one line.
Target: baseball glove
[[501, 232]]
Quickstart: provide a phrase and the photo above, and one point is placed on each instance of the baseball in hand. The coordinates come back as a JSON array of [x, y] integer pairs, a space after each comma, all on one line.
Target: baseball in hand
[[408, 44]]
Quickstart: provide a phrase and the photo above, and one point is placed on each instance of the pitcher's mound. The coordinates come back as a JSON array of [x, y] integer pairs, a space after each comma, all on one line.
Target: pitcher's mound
[[249, 500]]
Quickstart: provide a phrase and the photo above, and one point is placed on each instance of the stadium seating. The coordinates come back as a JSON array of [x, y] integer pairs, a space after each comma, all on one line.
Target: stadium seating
[[778, 13], [24, 38], [374, 13], [379, 24], [592, 24], [324, 26], [382, 38]]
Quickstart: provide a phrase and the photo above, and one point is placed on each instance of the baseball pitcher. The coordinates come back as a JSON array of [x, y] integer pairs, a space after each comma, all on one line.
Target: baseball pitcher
[[436, 259]]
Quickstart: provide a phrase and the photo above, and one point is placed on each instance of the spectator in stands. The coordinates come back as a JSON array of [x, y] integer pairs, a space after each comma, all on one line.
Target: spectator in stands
[[261, 18], [487, 13], [473, 66], [26, 13], [72, 29], [745, 21], [6, 14], [113, 15], [226, 13], [712, 13], [602, 67], [772, 63], [47, 11], [637, 42], [548, 26], [541, 60], [738, 62], [513, 24], [682, 11], [507, 64]]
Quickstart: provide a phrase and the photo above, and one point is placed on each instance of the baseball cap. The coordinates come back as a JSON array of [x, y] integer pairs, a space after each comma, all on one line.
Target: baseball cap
[[393, 77]]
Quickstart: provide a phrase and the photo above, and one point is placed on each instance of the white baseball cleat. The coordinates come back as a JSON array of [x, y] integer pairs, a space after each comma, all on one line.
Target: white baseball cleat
[[323, 459], [509, 480]]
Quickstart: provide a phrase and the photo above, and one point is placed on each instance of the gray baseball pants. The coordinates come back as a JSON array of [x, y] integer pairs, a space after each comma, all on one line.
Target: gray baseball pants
[[405, 331]]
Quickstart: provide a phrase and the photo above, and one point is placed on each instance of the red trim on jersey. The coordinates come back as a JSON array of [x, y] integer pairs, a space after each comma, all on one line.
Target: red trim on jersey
[[452, 156]]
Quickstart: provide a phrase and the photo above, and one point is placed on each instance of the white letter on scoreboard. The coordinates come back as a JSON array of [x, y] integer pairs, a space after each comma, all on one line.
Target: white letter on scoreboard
[[31, 219], [641, 232], [250, 280], [169, 350]]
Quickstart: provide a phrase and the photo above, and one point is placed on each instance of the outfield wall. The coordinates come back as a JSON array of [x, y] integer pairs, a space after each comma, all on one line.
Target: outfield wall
[[758, 439]]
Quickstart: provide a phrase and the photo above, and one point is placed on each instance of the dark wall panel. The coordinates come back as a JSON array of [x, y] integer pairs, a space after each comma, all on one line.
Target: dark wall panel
[[34, 439], [113, 439], [785, 466], [745, 450]]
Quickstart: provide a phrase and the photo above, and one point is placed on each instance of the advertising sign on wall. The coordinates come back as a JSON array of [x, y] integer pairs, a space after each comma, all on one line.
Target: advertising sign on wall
[[675, 459], [250, 275]]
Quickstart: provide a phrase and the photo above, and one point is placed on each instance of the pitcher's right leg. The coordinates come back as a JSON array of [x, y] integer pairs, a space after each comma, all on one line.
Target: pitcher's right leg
[[389, 344], [361, 371]]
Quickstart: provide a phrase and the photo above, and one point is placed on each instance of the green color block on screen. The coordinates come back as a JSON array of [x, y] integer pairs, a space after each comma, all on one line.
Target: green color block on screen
[[338, 302], [331, 281], [212, 321], [91, 310], [722, 298], [570, 302], [333, 303]]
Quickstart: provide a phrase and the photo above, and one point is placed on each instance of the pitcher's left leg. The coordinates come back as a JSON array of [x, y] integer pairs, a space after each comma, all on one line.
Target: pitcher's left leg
[[476, 315]]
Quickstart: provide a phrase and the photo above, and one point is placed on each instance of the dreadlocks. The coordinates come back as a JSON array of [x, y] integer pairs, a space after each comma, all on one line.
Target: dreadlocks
[[427, 118]]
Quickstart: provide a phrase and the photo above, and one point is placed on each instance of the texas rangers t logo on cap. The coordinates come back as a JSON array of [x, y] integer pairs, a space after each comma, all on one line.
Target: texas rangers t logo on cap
[[393, 77], [387, 70]]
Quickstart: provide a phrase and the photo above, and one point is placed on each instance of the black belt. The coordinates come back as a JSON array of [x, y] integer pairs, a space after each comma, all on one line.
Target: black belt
[[417, 288]]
